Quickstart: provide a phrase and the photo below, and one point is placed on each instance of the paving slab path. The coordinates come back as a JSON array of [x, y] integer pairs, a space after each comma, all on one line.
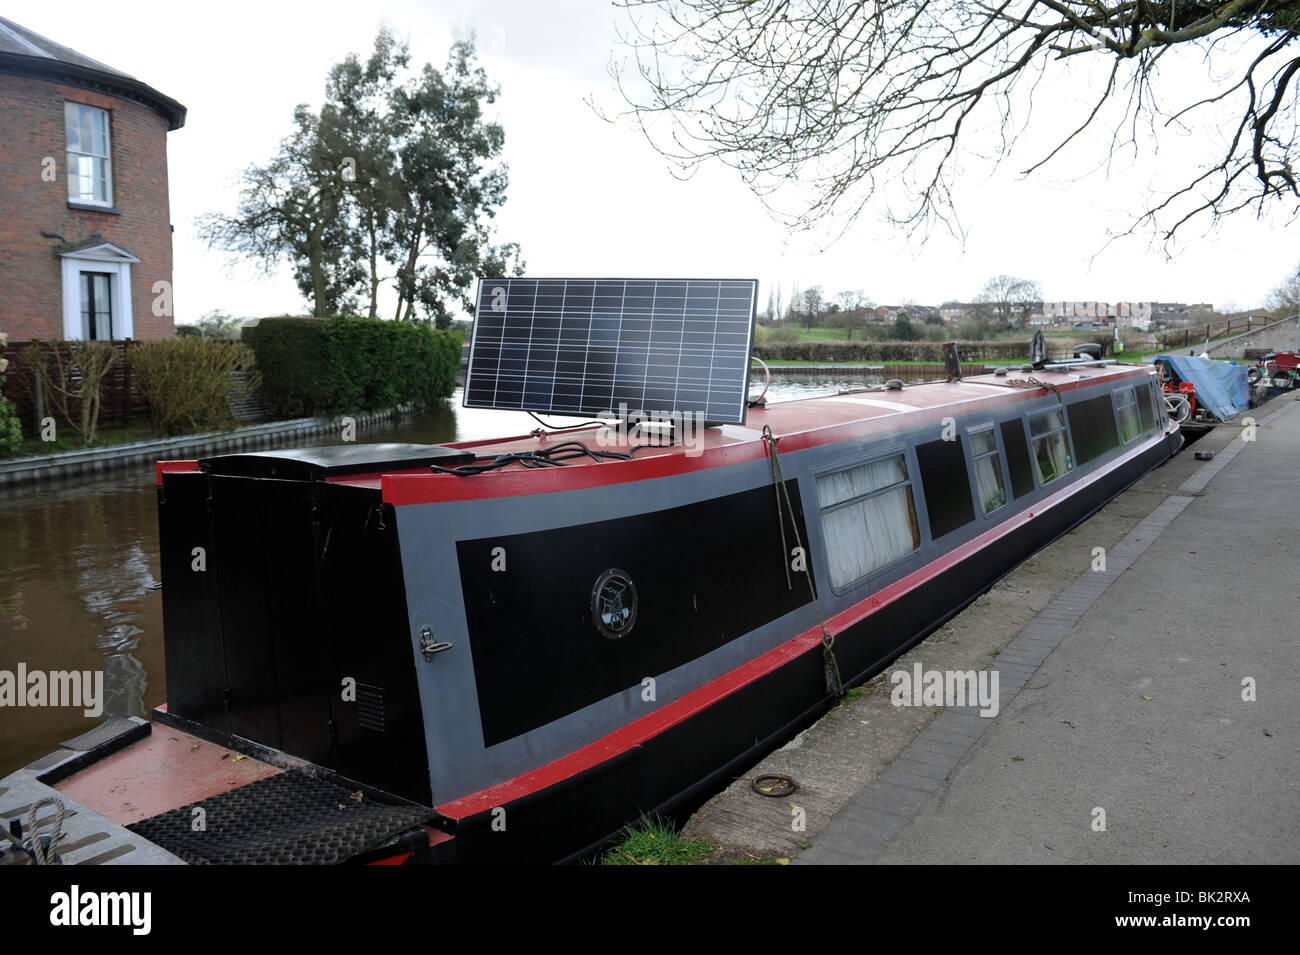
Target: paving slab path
[[1149, 712]]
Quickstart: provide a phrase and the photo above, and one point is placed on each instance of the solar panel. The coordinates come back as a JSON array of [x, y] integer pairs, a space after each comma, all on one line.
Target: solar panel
[[588, 346]]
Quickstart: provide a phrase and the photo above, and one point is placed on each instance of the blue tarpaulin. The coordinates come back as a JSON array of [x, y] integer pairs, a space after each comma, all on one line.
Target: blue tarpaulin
[[1222, 387]]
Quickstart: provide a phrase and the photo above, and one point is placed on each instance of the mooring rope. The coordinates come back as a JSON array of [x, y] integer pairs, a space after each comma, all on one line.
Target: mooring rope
[[1030, 382], [834, 682], [1048, 385], [38, 851]]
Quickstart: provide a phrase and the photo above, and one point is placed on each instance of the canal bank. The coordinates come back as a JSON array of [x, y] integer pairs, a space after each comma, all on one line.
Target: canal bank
[[1121, 732], [66, 464]]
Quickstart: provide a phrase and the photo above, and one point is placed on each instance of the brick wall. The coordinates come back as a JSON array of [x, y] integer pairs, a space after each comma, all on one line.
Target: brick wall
[[31, 128]]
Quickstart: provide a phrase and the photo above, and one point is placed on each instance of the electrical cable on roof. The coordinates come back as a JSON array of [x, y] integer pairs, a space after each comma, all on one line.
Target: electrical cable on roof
[[553, 457], [568, 427]]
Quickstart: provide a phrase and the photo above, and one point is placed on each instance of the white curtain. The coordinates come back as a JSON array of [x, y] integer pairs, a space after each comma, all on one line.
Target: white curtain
[[863, 479], [1129, 424], [867, 535], [988, 475]]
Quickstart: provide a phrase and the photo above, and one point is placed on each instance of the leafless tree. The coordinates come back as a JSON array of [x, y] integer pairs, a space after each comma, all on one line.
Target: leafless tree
[[813, 305], [1005, 298], [843, 97]]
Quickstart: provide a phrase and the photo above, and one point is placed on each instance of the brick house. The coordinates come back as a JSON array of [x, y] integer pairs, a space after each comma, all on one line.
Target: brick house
[[85, 230]]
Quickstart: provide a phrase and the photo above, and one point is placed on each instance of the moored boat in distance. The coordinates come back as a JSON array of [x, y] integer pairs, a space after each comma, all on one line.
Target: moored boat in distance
[[507, 650]]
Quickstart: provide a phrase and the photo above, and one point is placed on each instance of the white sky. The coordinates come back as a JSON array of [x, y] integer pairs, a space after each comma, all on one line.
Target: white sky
[[588, 198]]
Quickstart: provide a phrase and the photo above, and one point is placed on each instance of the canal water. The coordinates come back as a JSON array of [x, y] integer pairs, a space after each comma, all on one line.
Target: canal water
[[79, 577]]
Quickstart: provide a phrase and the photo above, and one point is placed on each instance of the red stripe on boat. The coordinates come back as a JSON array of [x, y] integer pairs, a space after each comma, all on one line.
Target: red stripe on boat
[[173, 467]]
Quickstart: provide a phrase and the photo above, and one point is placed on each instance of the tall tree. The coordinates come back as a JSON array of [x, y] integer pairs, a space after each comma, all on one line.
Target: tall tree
[[391, 181], [848, 96], [357, 131], [294, 206], [439, 238]]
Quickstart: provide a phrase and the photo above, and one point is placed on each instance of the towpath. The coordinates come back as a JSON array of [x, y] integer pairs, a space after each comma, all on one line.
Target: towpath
[[1126, 731]]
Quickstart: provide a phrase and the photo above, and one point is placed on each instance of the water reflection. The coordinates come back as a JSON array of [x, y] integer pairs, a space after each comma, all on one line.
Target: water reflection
[[79, 570]]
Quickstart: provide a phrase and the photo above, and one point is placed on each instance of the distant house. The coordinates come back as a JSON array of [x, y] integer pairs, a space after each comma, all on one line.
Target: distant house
[[1096, 314], [953, 312], [85, 226]]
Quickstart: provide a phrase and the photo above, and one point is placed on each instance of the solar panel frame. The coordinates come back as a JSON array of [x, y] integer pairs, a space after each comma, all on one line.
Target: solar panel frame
[[622, 346]]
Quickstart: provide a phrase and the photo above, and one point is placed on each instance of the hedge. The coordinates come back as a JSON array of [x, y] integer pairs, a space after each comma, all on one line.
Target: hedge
[[886, 351], [322, 366]]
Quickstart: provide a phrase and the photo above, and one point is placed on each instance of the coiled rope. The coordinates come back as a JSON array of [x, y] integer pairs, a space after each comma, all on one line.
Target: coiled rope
[[834, 683], [38, 851]]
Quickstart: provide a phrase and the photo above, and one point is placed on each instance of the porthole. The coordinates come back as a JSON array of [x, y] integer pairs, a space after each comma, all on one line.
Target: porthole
[[613, 604]]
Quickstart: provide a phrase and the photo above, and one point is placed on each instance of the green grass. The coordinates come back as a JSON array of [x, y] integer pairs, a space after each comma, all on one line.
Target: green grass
[[107, 435], [776, 364], [655, 842], [825, 335]]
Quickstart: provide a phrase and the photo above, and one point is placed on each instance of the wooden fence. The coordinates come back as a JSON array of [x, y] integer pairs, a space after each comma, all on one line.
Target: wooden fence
[[1183, 337]]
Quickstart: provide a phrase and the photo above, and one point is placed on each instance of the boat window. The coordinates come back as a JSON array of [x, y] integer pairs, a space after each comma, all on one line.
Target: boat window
[[868, 517], [988, 469], [1092, 426], [1013, 439], [947, 486], [1051, 451], [1130, 426], [1146, 410]]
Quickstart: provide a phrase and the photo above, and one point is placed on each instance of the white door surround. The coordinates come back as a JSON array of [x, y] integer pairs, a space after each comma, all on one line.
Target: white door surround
[[104, 257]]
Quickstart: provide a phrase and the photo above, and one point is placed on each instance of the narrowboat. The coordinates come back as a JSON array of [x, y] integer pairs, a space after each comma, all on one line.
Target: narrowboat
[[506, 650]]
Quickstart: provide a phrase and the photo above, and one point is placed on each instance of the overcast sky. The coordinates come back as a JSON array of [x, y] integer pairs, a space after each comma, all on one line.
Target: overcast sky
[[590, 198]]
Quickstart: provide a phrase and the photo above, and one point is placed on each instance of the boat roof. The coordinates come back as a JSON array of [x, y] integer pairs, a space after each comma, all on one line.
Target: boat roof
[[796, 424]]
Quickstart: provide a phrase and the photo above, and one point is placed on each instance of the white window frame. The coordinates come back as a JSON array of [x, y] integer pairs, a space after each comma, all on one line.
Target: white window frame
[[101, 258], [70, 106]]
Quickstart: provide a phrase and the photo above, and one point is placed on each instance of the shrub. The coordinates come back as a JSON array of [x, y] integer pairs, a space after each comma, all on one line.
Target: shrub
[[187, 382], [11, 432], [69, 379], [315, 366]]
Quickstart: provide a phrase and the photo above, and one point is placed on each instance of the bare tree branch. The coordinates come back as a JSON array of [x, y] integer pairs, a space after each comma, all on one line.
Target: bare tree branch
[[838, 97]]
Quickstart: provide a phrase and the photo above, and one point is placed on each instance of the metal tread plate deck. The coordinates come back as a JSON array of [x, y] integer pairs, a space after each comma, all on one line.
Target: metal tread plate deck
[[588, 346], [109, 730], [292, 818]]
